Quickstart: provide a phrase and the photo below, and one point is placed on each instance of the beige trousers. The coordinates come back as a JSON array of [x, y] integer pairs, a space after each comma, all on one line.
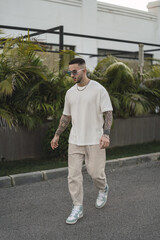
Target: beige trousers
[[95, 159]]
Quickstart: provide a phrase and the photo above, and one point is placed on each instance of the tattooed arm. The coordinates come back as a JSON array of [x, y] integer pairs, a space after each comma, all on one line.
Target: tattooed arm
[[64, 122], [107, 123], [105, 141]]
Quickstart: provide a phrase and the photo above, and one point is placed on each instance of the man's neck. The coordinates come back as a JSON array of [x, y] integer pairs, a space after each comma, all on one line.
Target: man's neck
[[84, 82]]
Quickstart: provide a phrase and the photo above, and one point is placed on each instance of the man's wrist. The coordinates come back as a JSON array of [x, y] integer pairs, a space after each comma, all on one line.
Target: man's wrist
[[106, 136], [57, 134], [106, 132]]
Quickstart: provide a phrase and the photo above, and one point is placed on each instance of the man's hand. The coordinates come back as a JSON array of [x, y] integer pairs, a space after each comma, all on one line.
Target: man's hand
[[64, 122], [104, 142], [54, 142]]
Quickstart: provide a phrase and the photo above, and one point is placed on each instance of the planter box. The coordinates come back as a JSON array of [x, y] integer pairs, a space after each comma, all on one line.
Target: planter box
[[22, 144]]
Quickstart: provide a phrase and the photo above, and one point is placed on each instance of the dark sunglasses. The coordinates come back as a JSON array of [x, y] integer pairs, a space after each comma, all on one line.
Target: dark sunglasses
[[74, 72]]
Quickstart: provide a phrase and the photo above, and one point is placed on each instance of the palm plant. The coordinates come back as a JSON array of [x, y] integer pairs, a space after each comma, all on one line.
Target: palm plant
[[66, 56], [119, 78], [28, 92], [129, 95], [101, 67], [152, 83]]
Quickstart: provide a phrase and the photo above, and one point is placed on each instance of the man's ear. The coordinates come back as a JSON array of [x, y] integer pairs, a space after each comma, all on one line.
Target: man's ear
[[85, 70]]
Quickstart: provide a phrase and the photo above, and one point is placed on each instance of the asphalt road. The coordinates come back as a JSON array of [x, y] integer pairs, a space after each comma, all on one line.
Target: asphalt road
[[38, 211]]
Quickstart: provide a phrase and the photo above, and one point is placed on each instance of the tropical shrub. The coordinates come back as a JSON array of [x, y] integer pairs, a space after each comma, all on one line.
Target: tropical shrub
[[101, 67], [29, 93], [129, 95]]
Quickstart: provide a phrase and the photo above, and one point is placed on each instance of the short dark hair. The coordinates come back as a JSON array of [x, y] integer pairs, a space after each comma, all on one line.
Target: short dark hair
[[79, 61]]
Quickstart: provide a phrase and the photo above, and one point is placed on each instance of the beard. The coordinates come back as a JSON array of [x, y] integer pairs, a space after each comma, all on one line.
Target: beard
[[79, 79]]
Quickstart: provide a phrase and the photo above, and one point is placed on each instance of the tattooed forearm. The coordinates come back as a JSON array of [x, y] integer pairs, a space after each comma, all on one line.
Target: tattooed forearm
[[107, 122], [64, 122]]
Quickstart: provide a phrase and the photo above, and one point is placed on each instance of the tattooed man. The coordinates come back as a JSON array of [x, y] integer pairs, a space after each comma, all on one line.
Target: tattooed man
[[88, 107]]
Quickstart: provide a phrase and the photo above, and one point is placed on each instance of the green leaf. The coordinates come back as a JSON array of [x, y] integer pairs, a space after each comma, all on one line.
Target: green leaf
[[6, 86]]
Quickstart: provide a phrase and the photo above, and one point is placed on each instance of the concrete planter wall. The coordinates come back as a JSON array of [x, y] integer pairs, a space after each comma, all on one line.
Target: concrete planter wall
[[20, 144], [23, 144], [135, 130]]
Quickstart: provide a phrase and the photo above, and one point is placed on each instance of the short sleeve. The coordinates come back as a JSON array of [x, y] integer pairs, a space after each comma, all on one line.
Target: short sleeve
[[105, 103], [66, 110]]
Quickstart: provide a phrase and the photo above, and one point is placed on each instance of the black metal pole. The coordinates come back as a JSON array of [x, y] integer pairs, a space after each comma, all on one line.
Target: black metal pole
[[78, 35], [61, 38], [50, 30], [61, 34]]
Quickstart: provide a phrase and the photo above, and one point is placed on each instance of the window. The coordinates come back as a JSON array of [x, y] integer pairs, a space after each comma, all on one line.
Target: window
[[50, 47], [124, 55]]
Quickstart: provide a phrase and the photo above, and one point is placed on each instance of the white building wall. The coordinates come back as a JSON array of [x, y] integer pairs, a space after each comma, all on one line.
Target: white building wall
[[127, 24], [154, 8], [85, 17]]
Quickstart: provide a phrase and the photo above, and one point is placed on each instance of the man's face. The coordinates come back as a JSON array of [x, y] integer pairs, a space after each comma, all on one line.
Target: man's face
[[77, 73]]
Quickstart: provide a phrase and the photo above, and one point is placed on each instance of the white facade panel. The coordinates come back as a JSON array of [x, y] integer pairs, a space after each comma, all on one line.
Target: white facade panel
[[84, 17]]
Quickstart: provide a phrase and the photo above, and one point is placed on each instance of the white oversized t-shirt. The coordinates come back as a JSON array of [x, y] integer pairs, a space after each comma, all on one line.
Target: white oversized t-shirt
[[86, 110]]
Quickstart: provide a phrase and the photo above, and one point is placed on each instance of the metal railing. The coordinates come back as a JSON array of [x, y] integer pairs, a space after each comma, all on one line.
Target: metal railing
[[60, 31]]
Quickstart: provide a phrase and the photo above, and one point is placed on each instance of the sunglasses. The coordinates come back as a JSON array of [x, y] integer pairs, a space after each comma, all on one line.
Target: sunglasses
[[74, 72]]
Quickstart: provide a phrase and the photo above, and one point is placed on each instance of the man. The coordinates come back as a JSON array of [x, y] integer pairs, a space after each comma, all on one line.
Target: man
[[88, 106]]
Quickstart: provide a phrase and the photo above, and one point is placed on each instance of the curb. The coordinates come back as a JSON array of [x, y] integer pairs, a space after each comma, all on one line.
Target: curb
[[33, 177], [26, 178], [133, 160]]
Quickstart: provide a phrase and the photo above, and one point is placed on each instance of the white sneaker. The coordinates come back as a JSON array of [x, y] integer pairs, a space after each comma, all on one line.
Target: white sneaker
[[102, 197], [77, 213]]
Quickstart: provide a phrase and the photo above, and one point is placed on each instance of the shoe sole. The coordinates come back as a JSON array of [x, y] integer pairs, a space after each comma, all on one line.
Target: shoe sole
[[75, 221]]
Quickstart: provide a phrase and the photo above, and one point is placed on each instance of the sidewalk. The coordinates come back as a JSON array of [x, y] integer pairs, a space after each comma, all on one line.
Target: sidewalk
[[38, 211], [33, 177]]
